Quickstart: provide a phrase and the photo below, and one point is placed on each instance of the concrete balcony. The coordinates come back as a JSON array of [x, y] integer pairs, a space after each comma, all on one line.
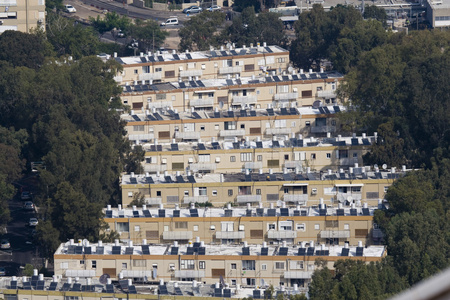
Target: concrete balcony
[[80, 273], [118, 79], [141, 137], [153, 168], [248, 198], [242, 100], [341, 197], [285, 96], [253, 165], [300, 199], [276, 131], [191, 73], [150, 76], [190, 135], [189, 274], [292, 164], [281, 234], [153, 201], [323, 129], [335, 234], [159, 104], [230, 235], [202, 167], [326, 94], [348, 161], [177, 235], [195, 199], [232, 133], [201, 102], [230, 70], [298, 274]]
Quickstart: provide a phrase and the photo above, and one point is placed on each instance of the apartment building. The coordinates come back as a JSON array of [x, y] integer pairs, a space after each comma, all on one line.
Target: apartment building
[[22, 15], [249, 266], [233, 225], [163, 66], [357, 185], [233, 93]]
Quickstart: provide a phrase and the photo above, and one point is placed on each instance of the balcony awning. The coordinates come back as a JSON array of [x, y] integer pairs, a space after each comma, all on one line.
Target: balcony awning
[[296, 184], [349, 184], [204, 91]]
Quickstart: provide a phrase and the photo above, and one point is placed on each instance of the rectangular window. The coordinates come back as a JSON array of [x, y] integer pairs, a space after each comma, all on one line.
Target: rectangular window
[[343, 153], [164, 134], [361, 233], [255, 130], [258, 191], [256, 234], [122, 227], [300, 227], [233, 266], [138, 105], [195, 228], [346, 226], [137, 228], [246, 157], [306, 94], [259, 158], [161, 96], [232, 158], [202, 191], [230, 192], [279, 265], [181, 225], [332, 223], [124, 266], [158, 69], [249, 68], [316, 226], [273, 163], [248, 265], [178, 166], [244, 190], [328, 155], [372, 195], [230, 125], [271, 226], [214, 193], [187, 264], [94, 264], [139, 263], [264, 267], [169, 74], [81, 262], [202, 265]]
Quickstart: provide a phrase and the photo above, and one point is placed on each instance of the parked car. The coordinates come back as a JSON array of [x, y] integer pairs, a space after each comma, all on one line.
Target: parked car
[[2, 271], [25, 195], [33, 222], [170, 21], [192, 9], [5, 244], [214, 7], [69, 8], [28, 205]]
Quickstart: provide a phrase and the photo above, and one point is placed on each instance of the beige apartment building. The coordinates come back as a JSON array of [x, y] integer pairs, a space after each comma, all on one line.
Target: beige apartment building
[[256, 156], [232, 225], [260, 124], [355, 186], [247, 265], [149, 68], [22, 15], [235, 93]]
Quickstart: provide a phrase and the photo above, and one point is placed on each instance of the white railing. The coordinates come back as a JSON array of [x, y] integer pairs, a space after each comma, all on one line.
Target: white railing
[[281, 234], [326, 94], [278, 130], [348, 161], [195, 199], [150, 76], [136, 274], [298, 274], [285, 96], [202, 167], [230, 70], [323, 129], [234, 132], [191, 73], [292, 164], [300, 199], [177, 235], [80, 273], [153, 201], [190, 135], [141, 137], [334, 234], [241, 100], [253, 165], [248, 198], [347, 196], [152, 168], [159, 104], [201, 102], [189, 274], [230, 234]]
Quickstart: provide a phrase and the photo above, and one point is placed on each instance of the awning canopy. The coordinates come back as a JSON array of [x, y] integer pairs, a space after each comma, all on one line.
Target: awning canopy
[[296, 184], [349, 184]]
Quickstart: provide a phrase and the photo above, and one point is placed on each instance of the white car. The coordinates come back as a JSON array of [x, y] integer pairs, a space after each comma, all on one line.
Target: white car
[[33, 222], [214, 8], [170, 21], [69, 8]]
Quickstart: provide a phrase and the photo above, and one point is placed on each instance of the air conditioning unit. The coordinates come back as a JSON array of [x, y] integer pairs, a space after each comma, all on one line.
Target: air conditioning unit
[[314, 191]]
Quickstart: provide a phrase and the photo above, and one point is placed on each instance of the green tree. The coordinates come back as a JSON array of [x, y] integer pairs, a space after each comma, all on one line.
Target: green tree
[[110, 21], [375, 12], [148, 34], [134, 159], [240, 5]]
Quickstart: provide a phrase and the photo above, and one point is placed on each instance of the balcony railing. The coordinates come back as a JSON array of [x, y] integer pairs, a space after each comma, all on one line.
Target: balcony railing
[[241, 100], [335, 234], [202, 166], [136, 273], [281, 234], [153, 201], [177, 235], [230, 70], [150, 76], [232, 133], [298, 274], [248, 198], [341, 197], [159, 104], [190, 135], [328, 94], [323, 129], [230, 235], [285, 96], [278, 130], [292, 164], [80, 273], [253, 165], [141, 137], [195, 199], [299, 199], [348, 161], [191, 73], [189, 274], [153, 168], [201, 102]]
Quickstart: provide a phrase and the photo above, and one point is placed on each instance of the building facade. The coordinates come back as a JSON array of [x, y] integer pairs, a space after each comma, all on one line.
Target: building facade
[[22, 15]]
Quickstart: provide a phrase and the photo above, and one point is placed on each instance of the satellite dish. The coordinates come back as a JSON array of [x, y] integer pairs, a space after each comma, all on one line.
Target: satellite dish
[[316, 104], [384, 166], [104, 278], [375, 166]]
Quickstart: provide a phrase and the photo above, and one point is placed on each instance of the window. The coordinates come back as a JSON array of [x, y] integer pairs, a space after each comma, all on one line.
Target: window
[[255, 130], [231, 125], [300, 226], [258, 191], [202, 128], [137, 228], [273, 163], [232, 158], [331, 223], [286, 156], [122, 227], [214, 192], [202, 265], [246, 157], [361, 233], [124, 266], [286, 190], [178, 166], [204, 158], [158, 69], [187, 264], [130, 194], [317, 226], [186, 193], [138, 127], [81, 262], [259, 158], [139, 263], [169, 74], [372, 195], [328, 155], [264, 267], [230, 192], [249, 68], [202, 191], [242, 126], [181, 225], [216, 127], [355, 154], [158, 193], [343, 153], [195, 228], [244, 190], [283, 89], [135, 71], [307, 123], [94, 264], [386, 189], [271, 226], [233, 266], [306, 94], [279, 265], [346, 226], [299, 264], [161, 96], [248, 265], [313, 156]]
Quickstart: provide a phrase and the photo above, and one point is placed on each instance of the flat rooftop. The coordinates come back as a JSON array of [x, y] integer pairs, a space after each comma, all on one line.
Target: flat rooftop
[[174, 56]]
